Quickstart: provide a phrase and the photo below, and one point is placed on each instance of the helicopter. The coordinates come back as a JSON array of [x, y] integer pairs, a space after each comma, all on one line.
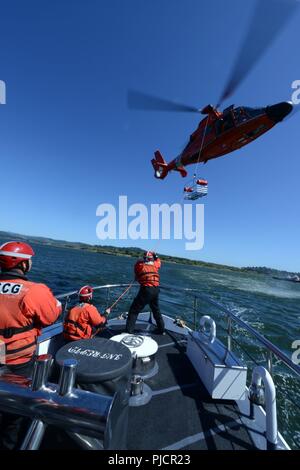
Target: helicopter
[[222, 132]]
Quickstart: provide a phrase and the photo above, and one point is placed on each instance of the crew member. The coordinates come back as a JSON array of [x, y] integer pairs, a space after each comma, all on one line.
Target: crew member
[[147, 274], [83, 318], [25, 308]]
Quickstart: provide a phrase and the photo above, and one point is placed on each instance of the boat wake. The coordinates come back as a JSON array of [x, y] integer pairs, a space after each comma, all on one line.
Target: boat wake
[[256, 287]]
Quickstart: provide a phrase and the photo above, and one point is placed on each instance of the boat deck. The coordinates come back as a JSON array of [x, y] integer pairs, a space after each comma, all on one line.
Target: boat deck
[[180, 415]]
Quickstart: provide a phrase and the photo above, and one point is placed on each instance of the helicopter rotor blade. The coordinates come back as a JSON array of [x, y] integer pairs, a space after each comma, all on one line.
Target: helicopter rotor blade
[[142, 101], [269, 18]]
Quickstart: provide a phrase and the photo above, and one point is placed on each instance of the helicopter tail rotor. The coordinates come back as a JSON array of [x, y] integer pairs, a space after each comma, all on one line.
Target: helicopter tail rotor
[[160, 166]]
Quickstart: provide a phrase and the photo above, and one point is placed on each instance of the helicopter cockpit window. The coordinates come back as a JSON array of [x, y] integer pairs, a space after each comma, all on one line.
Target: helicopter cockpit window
[[240, 115], [253, 112]]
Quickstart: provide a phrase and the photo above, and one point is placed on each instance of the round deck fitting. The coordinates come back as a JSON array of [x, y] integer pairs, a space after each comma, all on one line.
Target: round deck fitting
[[143, 349]]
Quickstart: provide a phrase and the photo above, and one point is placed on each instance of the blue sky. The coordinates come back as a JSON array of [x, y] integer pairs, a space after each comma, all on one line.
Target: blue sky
[[68, 141]]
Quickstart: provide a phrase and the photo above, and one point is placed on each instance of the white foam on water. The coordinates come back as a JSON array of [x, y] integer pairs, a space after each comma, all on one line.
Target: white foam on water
[[255, 286], [260, 288]]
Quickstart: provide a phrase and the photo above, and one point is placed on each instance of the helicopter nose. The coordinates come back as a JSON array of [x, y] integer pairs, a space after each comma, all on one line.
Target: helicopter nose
[[277, 112]]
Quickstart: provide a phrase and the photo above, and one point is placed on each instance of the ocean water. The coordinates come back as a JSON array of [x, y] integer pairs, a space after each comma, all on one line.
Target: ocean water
[[270, 306]]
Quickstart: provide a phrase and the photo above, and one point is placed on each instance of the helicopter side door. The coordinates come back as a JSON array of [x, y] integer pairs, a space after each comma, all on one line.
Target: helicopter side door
[[225, 123]]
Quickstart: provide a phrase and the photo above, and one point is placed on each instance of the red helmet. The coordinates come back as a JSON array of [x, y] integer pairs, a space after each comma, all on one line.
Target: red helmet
[[148, 256], [86, 293], [13, 253]]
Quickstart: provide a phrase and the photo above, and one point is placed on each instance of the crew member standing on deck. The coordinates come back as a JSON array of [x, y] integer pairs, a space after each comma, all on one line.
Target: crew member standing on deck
[[25, 308], [147, 274], [83, 319]]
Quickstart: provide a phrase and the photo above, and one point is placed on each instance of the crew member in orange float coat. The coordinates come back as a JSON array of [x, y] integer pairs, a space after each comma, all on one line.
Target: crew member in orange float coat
[[25, 308], [82, 318], [147, 274]]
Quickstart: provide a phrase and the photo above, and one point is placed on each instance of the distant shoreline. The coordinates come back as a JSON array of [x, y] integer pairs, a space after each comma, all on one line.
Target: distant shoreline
[[131, 252]]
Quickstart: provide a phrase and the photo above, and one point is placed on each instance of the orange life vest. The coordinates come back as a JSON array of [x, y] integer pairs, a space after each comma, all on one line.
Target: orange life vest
[[80, 321], [25, 308], [147, 273]]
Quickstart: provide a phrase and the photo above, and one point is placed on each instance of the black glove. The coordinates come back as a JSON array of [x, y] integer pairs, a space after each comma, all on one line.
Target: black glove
[[155, 257]]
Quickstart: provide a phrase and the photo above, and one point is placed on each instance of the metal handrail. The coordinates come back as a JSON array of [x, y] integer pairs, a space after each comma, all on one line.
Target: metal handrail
[[262, 339], [196, 296], [75, 292]]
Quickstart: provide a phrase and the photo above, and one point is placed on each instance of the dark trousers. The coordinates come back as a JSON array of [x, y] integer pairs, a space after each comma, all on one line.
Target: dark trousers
[[146, 296], [13, 428]]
